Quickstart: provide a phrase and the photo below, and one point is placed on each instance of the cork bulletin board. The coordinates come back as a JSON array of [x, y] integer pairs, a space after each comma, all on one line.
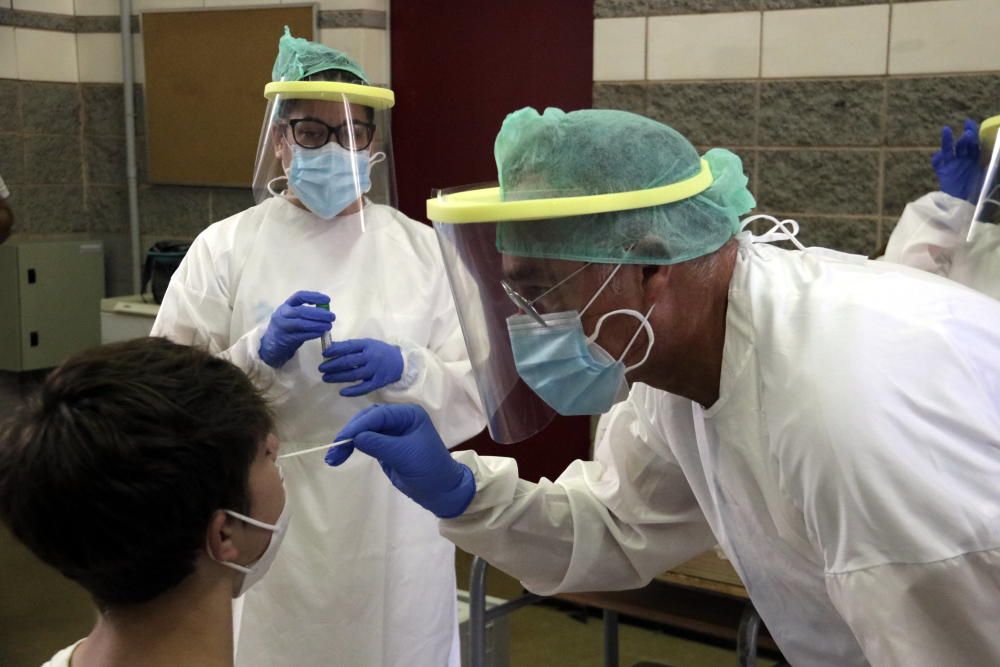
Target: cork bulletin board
[[204, 90]]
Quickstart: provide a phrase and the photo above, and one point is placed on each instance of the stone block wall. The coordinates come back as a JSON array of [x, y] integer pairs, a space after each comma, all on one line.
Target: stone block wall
[[835, 106]]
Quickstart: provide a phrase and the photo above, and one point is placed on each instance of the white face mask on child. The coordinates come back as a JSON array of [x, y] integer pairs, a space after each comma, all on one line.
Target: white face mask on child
[[255, 571]]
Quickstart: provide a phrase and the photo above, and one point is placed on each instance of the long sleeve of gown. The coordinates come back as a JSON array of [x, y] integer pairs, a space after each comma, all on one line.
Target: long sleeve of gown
[[609, 524], [196, 311]]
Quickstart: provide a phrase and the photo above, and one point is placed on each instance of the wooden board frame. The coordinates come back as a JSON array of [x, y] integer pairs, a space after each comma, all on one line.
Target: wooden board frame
[[204, 90]]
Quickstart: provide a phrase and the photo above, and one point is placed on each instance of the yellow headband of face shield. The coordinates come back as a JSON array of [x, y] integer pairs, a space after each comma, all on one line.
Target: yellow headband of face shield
[[488, 205], [333, 91], [988, 132]]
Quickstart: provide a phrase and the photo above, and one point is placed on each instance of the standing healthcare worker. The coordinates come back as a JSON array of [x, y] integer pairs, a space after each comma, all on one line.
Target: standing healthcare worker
[[832, 422], [364, 578], [935, 233]]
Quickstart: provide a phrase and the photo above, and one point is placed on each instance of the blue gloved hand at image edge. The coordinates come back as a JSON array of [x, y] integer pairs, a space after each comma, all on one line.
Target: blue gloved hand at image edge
[[957, 165], [371, 363], [293, 323], [403, 440]]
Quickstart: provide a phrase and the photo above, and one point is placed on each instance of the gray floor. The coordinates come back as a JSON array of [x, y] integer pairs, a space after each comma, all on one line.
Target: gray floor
[[41, 612]]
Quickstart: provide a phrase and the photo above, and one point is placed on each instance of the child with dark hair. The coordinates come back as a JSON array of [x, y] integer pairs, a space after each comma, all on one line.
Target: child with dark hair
[[145, 471]]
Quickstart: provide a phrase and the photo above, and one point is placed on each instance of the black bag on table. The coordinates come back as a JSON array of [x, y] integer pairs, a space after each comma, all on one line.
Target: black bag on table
[[162, 259]]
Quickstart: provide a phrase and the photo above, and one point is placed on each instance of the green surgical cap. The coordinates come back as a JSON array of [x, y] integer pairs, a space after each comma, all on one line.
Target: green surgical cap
[[595, 151], [299, 58]]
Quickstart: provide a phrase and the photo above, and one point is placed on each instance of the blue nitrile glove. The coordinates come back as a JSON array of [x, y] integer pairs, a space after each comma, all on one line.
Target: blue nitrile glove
[[293, 323], [403, 440], [957, 164], [372, 363]]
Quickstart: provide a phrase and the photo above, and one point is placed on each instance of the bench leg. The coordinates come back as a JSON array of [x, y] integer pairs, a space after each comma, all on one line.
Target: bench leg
[[746, 638], [477, 613], [610, 638]]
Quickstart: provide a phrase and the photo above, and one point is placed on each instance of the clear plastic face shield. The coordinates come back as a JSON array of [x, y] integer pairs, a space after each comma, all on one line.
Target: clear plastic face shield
[[476, 272], [326, 146], [986, 220], [493, 279]]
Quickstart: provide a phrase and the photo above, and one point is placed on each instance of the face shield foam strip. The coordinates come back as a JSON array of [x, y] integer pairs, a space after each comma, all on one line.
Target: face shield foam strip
[[487, 204]]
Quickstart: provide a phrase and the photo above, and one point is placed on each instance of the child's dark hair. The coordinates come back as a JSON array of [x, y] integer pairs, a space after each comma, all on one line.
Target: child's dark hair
[[112, 470]]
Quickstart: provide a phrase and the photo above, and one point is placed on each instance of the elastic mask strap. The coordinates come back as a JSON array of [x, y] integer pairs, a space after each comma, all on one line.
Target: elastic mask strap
[[270, 186], [643, 324], [231, 565], [558, 284], [377, 158], [782, 230], [253, 522], [599, 290]]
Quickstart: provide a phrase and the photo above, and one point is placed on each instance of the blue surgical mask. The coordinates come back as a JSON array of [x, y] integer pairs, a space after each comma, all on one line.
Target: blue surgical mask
[[567, 369], [329, 179]]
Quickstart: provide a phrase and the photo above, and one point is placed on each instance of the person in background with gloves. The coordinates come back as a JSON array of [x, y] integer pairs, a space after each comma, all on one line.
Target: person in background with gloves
[[933, 232], [364, 579], [833, 423]]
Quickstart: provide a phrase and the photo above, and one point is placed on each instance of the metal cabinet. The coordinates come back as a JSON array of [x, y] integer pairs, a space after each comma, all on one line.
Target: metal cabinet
[[50, 295]]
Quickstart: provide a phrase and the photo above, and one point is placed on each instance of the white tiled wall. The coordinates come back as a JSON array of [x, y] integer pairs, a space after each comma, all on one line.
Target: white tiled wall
[[952, 36], [100, 58], [53, 6], [826, 42], [96, 7], [8, 53], [620, 49], [368, 46], [379, 5], [704, 46], [44, 55], [150, 5], [110, 7], [237, 3], [930, 37]]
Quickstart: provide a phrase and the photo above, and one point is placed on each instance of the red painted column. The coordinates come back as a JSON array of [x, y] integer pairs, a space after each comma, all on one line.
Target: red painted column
[[458, 68]]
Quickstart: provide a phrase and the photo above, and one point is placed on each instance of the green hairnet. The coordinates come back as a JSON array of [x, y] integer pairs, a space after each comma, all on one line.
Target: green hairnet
[[603, 151], [299, 58]]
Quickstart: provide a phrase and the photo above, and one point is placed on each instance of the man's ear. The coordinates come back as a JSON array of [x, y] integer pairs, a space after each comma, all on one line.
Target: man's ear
[[655, 278], [219, 537]]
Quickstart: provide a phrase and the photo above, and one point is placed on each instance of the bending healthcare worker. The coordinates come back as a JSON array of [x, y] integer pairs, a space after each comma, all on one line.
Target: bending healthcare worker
[[955, 232], [363, 578], [832, 422]]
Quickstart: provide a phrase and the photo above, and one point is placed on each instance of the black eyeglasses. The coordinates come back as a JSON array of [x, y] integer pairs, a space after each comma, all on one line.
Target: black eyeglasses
[[312, 133]]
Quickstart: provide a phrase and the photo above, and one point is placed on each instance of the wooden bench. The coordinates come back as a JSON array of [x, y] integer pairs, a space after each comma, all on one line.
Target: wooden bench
[[704, 595]]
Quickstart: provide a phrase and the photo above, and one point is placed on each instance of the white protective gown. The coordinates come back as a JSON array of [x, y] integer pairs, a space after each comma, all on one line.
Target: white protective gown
[[848, 470], [931, 236], [63, 657], [363, 578]]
